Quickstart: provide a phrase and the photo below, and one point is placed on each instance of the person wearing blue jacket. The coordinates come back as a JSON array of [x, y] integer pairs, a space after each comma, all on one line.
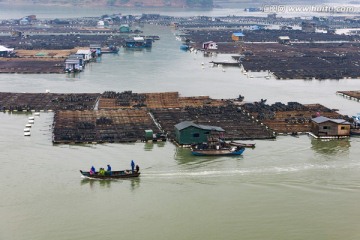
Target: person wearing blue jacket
[[92, 170], [132, 165], [108, 170]]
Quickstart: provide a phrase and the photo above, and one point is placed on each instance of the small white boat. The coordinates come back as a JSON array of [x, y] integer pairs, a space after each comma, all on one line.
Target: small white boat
[[28, 125], [37, 114], [27, 134], [31, 118], [26, 129], [31, 121]]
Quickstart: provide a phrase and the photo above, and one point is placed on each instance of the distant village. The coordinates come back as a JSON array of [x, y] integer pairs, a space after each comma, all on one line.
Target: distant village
[[287, 48]]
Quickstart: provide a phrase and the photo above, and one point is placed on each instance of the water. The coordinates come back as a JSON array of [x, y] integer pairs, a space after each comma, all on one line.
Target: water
[[288, 188]]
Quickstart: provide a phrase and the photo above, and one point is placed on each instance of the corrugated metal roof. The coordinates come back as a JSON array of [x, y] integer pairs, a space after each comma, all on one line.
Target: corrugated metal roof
[[322, 119], [238, 34], [83, 51], [186, 124], [284, 38]]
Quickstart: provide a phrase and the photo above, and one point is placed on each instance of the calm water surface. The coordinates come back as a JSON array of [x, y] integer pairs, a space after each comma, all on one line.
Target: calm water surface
[[290, 188]]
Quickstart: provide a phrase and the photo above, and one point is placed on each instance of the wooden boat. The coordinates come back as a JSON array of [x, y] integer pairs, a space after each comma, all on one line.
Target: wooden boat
[[246, 145], [355, 132], [111, 49], [218, 152], [114, 174], [138, 42]]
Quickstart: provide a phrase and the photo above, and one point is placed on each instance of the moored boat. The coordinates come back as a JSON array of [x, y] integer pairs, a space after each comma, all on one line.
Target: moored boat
[[138, 42], [218, 152], [355, 132], [111, 49], [246, 145], [112, 175]]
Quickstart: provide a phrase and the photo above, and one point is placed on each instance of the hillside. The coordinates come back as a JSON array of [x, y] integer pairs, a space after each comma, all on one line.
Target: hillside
[[119, 3]]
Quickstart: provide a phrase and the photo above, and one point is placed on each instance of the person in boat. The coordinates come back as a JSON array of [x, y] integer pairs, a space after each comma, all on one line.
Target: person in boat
[[137, 168], [132, 165], [108, 170], [92, 170], [102, 172]]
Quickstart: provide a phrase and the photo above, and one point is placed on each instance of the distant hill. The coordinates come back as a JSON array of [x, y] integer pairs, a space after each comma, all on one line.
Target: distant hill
[[123, 3]]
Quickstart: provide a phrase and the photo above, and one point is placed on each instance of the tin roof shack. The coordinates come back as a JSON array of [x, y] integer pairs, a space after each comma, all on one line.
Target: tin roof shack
[[78, 56], [73, 65], [86, 53], [6, 52], [188, 132], [210, 45], [237, 37], [323, 127], [284, 39], [95, 50]]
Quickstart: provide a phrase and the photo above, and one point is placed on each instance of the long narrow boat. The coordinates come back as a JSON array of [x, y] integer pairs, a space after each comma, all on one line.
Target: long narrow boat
[[247, 145], [113, 175], [218, 152]]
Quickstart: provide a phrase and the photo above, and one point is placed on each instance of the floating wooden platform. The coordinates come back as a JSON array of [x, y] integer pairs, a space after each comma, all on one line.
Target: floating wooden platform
[[112, 100], [236, 124], [47, 101], [290, 118], [352, 95], [101, 126], [124, 117]]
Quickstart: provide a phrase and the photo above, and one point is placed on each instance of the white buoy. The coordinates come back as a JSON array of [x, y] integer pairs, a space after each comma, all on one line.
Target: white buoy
[[26, 129], [47, 91], [223, 70], [27, 133]]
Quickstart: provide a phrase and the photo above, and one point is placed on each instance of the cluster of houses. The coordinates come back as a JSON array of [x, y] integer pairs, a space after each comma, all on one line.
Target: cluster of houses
[[211, 45], [76, 62]]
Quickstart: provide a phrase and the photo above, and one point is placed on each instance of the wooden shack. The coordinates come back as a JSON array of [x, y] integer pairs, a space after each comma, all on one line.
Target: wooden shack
[[238, 36], [188, 132], [95, 49], [73, 65], [323, 127], [210, 45], [284, 39]]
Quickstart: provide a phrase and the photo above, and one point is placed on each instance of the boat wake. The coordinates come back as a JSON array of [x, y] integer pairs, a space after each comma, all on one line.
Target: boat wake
[[248, 171]]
